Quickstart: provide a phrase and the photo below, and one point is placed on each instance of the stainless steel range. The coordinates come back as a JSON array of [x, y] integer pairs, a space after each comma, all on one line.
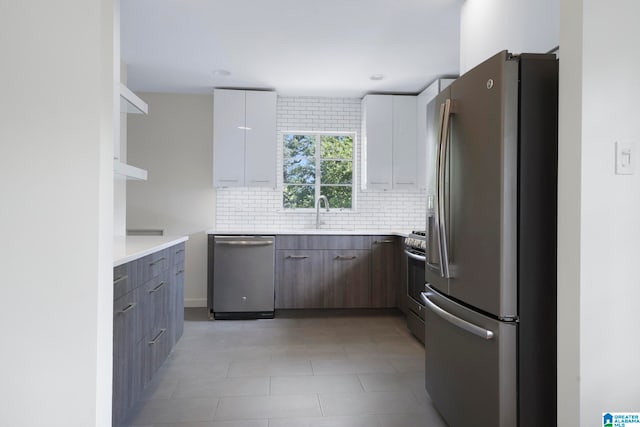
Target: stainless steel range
[[415, 245]]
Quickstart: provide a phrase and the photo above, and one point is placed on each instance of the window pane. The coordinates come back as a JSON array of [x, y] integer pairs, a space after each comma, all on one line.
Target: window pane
[[299, 146], [299, 170], [336, 147], [336, 171], [339, 197], [298, 196]]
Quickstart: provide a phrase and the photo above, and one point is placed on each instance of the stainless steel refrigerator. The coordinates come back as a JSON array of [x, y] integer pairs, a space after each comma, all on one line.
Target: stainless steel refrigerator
[[490, 292]]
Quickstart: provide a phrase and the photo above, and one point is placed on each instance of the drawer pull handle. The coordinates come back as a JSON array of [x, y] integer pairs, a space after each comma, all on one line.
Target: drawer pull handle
[[297, 256], [179, 251], [157, 337], [157, 288], [152, 263], [379, 242], [120, 279], [179, 272], [345, 258], [127, 308]]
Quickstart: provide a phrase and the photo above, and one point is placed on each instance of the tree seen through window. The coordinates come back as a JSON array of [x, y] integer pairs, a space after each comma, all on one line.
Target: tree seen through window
[[317, 164]]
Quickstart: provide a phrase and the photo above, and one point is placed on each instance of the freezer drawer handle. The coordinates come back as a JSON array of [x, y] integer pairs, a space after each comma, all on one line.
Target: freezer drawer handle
[[245, 243], [454, 320]]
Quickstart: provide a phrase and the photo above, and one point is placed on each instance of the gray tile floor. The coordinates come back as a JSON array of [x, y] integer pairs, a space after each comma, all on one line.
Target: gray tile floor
[[297, 370]]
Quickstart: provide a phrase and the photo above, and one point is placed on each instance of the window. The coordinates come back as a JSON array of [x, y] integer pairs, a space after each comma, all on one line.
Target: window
[[317, 164]]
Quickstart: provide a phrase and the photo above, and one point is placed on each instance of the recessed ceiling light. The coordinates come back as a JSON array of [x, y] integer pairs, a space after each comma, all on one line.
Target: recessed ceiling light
[[221, 73], [377, 77]]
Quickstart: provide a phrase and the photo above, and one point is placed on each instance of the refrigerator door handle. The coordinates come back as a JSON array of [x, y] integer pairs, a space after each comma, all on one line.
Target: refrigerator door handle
[[454, 320], [437, 198], [442, 223]]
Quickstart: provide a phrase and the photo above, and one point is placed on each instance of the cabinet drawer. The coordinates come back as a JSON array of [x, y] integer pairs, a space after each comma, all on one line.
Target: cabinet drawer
[[322, 242], [153, 265], [125, 278], [127, 318], [156, 346], [155, 302], [177, 254]]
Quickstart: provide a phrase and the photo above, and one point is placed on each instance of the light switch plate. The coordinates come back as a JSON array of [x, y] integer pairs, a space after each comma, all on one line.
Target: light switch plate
[[625, 157]]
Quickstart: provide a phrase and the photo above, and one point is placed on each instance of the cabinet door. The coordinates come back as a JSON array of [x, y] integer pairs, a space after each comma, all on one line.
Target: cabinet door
[[405, 161], [426, 134], [176, 292], [384, 271], [176, 302], [156, 348], [377, 137], [155, 302], [126, 384], [228, 137], [299, 279], [421, 132], [260, 139], [346, 278]]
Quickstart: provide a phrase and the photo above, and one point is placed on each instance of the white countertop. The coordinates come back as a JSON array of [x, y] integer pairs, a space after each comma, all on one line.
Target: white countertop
[[321, 231], [130, 248]]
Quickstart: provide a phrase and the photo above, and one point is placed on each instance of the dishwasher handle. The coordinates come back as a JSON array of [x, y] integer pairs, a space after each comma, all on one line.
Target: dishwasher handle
[[244, 242]]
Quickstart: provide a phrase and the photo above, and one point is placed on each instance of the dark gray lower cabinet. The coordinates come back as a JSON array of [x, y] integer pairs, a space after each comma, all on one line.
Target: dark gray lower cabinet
[[148, 319], [384, 271], [336, 271], [347, 278], [299, 279]]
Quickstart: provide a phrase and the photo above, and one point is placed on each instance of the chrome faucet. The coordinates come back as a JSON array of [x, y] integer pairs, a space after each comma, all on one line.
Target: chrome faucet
[[326, 205]]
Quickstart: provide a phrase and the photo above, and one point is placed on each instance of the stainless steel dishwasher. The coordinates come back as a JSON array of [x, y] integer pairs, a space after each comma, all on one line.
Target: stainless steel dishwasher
[[243, 277]]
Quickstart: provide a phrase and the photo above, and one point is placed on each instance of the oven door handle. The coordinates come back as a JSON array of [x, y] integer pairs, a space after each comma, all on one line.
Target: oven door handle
[[414, 256]]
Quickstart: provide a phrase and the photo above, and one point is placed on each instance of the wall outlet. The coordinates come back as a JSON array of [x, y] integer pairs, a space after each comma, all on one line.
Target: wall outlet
[[625, 158]]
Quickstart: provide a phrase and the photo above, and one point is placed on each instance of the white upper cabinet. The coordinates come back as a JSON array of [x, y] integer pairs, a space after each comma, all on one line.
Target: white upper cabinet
[[404, 142], [228, 138], [260, 140], [426, 131], [388, 142], [244, 138], [377, 137]]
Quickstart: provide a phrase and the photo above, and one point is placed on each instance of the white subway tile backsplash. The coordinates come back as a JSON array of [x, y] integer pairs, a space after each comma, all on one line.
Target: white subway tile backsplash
[[261, 208]]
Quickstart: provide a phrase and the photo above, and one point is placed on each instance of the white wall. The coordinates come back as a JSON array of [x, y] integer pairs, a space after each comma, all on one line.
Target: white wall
[[490, 26], [255, 209], [600, 89], [120, 181], [56, 182], [175, 144]]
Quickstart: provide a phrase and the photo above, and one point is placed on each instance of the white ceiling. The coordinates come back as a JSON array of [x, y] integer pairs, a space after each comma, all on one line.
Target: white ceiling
[[297, 47]]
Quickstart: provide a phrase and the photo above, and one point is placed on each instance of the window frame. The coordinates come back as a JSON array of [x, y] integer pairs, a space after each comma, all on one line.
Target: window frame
[[318, 172]]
